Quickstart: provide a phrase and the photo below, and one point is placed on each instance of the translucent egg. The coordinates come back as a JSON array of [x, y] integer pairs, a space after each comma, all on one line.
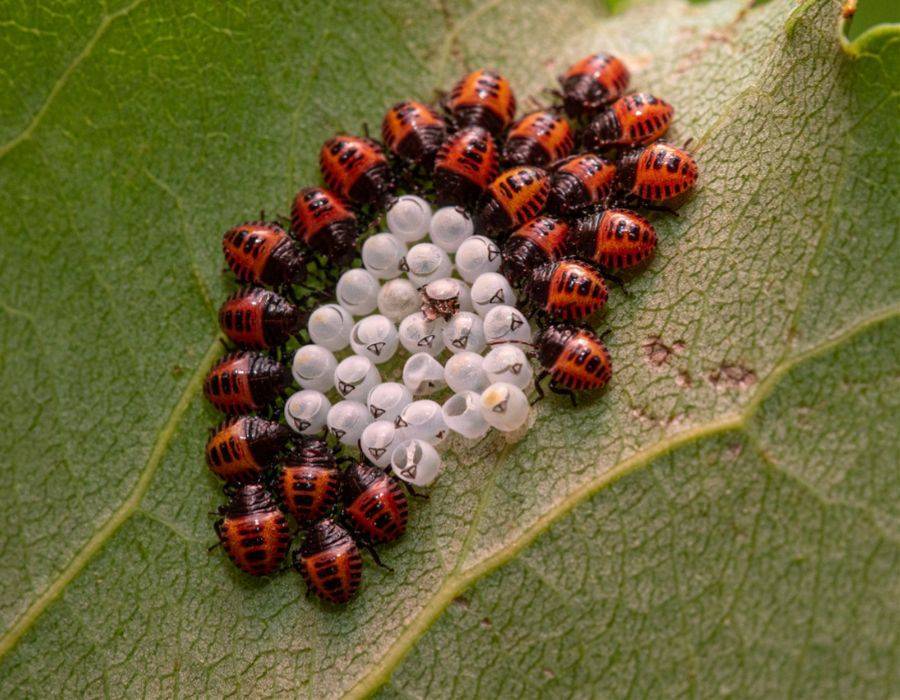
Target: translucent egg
[[422, 420], [306, 411], [448, 288], [465, 331], [347, 420], [399, 298], [450, 226], [418, 334], [357, 291], [508, 363], [491, 289], [329, 326], [381, 255], [425, 262], [354, 377], [377, 442], [408, 218], [416, 462], [475, 256], [462, 414], [506, 324], [504, 406], [313, 367], [464, 372], [385, 401], [375, 337], [423, 375]]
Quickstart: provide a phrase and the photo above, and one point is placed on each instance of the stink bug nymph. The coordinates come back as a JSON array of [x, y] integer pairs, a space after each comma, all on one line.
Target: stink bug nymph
[[356, 169], [656, 172], [579, 182], [482, 98], [243, 382], [258, 319], [537, 139], [374, 503], [515, 197], [568, 289], [414, 132], [632, 120], [243, 447], [540, 241], [592, 83], [309, 481], [253, 532], [329, 562], [574, 358], [323, 222], [615, 239], [465, 165], [261, 252]]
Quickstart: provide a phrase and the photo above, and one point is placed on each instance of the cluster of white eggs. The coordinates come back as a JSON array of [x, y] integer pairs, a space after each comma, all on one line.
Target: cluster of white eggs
[[486, 367]]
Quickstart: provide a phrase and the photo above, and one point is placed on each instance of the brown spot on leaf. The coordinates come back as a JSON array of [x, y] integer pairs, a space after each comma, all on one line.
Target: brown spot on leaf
[[732, 377], [548, 673], [461, 602], [486, 623], [657, 351], [683, 379]]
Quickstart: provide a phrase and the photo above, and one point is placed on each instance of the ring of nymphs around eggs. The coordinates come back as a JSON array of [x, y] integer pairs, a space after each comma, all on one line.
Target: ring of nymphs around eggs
[[424, 295]]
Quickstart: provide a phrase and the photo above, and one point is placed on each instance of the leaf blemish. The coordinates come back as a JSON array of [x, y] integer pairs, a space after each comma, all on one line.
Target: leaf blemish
[[732, 377], [657, 352]]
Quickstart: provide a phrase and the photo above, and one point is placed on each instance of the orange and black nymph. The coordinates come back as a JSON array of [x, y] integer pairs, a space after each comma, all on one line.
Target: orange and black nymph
[[656, 172], [309, 482], [482, 98], [374, 503], [515, 197], [253, 532], [632, 120], [258, 319], [261, 252], [241, 448], [537, 139], [615, 239], [245, 381], [579, 182], [414, 132], [542, 240], [574, 358], [329, 562], [321, 221], [466, 163], [592, 83], [356, 169], [567, 290]]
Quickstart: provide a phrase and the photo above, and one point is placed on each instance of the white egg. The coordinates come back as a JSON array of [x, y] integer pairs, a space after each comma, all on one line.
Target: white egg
[[313, 367], [399, 298], [423, 420], [381, 255], [504, 406], [475, 256], [462, 414], [464, 372], [357, 291], [508, 363], [418, 334], [306, 411], [423, 375], [416, 462], [450, 226], [491, 289], [408, 218], [329, 326], [425, 262], [506, 324], [465, 331], [377, 442], [385, 401], [354, 377], [375, 337], [347, 420]]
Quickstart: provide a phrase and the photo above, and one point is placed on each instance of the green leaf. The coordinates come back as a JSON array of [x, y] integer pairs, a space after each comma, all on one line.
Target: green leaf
[[722, 520]]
